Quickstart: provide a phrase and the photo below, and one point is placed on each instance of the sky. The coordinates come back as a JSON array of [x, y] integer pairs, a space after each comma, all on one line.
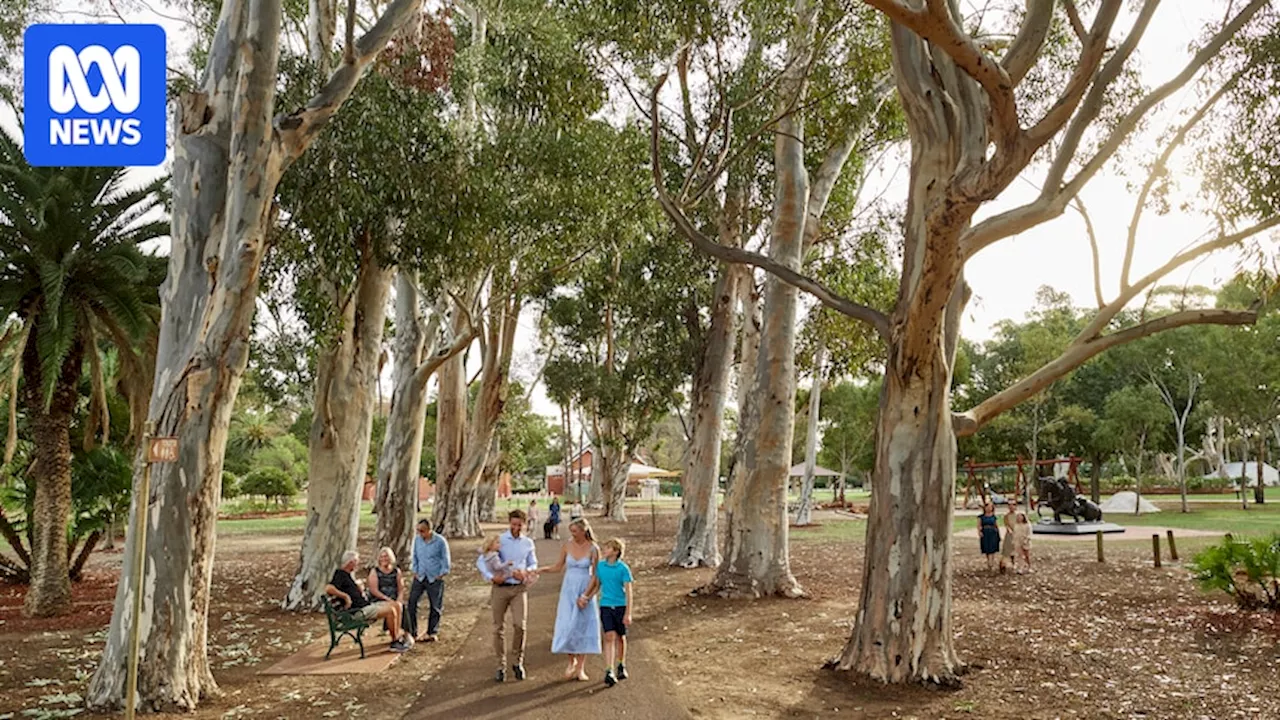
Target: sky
[[1005, 277]]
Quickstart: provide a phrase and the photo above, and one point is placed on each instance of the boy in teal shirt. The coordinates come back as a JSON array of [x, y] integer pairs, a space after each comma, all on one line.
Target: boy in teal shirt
[[614, 583]]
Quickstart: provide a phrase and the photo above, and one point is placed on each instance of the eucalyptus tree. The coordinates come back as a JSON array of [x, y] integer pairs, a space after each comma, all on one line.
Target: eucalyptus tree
[[543, 169], [623, 349], [825, 98], [71, 274], [979, 113], [363, 196], [231, 148]]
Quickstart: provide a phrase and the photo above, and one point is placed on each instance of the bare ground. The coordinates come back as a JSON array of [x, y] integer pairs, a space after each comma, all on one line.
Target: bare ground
[[1074, 639]]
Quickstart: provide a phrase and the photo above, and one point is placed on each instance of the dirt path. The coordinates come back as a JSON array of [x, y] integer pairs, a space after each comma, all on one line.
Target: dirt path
[[465, 688]]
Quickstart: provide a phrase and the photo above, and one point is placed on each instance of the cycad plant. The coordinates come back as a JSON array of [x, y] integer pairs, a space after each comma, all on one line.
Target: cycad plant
[[73, 279]]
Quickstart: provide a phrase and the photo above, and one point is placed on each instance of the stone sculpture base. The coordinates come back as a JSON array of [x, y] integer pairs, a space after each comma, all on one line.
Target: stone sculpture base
[[1049, 527]]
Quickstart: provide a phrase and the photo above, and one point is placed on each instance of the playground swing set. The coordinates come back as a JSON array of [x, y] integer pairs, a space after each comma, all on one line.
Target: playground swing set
[[974, 488]]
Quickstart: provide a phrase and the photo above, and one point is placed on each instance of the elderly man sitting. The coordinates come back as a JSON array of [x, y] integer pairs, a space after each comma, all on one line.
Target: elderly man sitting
[[344, 588]]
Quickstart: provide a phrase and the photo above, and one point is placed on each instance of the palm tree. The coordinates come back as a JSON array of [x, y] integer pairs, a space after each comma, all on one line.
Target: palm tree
[[73, 277]]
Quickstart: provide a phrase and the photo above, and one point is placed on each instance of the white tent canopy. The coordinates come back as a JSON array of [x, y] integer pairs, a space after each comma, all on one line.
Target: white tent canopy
[[1124, 502], [640, 470], [1270, 476]]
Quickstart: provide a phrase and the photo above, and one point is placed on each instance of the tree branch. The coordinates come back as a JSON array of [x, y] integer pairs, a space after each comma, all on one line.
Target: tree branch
[[1127, 294], [1158, 169], [1081, 78], [936, 25], [1026, 45], [875, 318], [1093, 249], [1077, 353], [296, 130], [1055, 196]]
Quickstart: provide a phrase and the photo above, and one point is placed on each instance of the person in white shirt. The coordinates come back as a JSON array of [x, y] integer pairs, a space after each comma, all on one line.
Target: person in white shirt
[[509, 592]]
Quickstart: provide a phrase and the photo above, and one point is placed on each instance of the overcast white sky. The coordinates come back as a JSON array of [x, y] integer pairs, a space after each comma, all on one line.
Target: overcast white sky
[[1005, 277]]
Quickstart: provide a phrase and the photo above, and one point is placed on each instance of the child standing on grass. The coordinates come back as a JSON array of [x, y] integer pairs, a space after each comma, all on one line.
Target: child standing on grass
[[614, 584], [1022, 541]]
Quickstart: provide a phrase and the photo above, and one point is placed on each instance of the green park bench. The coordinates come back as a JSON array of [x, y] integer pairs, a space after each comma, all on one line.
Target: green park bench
[[343, 623]]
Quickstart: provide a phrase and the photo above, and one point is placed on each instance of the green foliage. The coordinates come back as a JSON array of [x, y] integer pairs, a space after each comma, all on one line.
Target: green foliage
[[70, 241], [526, 438], [230, 486], [1248, 570], [849, 413], [101, 487], [269, 482]]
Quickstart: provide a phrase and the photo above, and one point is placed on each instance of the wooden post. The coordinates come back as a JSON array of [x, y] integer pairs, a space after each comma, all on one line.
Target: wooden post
[[139, 559], [1155, 548], [1173, 548], [653, 517], [1100, 556]]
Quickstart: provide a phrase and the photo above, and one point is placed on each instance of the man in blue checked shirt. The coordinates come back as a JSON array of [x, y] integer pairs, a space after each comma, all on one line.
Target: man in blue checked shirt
[[509, 591], [431, 563]]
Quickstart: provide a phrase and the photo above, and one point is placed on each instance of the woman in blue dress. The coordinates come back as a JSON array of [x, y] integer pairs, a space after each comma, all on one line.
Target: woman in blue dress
[[577, 632], [989, 534]]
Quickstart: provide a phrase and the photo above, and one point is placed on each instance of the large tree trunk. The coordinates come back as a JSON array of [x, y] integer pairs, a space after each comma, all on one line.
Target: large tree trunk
[[457, 512], [757, 557], [228, 158], [903, 625], [345, 399], [804, 513], [50, 590], [401, 456], [696, 542]]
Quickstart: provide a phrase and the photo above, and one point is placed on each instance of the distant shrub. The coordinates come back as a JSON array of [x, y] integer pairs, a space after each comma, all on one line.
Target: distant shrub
[[1249, 571], [230, 485], [271, 483]]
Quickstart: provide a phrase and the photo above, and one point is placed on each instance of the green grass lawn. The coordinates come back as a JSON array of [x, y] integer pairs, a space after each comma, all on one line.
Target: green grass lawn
[[1257, 520]]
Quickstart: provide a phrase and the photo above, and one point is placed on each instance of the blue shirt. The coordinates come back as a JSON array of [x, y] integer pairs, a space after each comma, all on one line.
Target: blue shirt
[[430, 557], [517, 551], [613, 578], [555, 513]]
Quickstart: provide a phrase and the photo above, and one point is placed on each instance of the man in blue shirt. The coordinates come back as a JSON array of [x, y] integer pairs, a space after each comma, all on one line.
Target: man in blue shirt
[[509, 592], [431, 562]]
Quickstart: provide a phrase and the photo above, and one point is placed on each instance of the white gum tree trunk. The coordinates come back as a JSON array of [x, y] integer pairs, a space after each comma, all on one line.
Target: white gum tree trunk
[[418, 355], [757, 557], [596, 486], [804, 513], [229, 152], [345, 399], [615, 467], [457, 510], [487, 490], [696, 543]]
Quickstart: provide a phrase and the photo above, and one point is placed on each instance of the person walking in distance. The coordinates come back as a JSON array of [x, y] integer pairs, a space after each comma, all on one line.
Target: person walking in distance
[[509, 592], [431, 562], [613, 582]]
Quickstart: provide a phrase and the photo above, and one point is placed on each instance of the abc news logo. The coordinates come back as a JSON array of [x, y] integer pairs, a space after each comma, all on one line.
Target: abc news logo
[[94, 95]]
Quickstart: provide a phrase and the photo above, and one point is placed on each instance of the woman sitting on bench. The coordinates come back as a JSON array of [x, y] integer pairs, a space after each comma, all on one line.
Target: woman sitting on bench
[[344, 588]]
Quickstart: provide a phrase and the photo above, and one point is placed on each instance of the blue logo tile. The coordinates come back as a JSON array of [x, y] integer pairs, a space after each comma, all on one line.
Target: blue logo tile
[[94, 95]]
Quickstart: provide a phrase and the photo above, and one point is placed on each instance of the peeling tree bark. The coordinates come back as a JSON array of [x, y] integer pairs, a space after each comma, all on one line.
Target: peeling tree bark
[[487, 490], [345, 399], [229, 154]]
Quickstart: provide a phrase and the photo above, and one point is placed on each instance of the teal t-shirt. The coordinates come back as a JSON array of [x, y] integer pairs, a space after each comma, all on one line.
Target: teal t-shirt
[[613, 576]]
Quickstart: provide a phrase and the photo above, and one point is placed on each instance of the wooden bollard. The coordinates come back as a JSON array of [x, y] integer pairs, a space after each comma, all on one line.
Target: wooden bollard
[[653, 517], [1173, 547], [1155, 548], [1100, 556]]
